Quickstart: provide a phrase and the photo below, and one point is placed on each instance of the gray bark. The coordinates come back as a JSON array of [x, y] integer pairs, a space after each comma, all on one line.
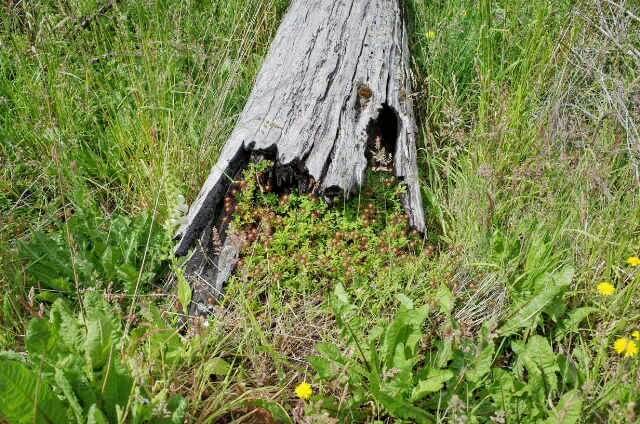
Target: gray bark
[[335, 69]]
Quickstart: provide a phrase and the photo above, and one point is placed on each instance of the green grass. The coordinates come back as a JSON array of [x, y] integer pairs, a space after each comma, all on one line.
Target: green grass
[[528, 114], [128, 112]]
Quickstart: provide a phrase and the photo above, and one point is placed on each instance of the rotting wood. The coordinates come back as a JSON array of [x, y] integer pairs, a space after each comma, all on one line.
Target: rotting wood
[[334, 85]]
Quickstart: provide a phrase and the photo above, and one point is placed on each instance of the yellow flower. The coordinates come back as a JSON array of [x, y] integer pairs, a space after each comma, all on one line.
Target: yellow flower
[[636, 335], [304, 390], [626, 347], [606, 288], [632, 349], [431, 35], [633, 261]]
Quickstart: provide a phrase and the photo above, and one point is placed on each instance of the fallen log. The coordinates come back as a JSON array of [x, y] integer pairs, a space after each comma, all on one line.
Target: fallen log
[[334, 90]]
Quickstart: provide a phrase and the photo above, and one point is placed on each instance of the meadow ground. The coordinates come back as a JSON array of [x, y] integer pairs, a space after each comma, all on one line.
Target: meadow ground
[[520, 305]]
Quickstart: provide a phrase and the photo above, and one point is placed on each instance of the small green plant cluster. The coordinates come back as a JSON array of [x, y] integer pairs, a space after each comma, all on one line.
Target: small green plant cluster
[[295, 243], [73, 371], [507, 370], [90, 249]]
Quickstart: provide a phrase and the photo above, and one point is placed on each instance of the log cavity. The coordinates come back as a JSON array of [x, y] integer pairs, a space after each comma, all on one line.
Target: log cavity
[[382, 137]]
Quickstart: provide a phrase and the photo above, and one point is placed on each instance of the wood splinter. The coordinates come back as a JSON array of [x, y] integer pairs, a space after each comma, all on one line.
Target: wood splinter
[[333, 83]]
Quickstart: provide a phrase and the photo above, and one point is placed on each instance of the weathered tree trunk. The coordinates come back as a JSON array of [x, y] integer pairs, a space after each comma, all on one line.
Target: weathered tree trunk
[[336, 72]]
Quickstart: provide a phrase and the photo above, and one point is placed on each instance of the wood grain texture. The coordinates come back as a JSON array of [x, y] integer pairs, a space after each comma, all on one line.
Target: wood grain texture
[[331, 68]]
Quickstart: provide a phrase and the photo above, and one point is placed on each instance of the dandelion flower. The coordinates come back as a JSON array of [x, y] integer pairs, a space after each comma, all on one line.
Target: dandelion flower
[[619, 345], [636, 335], [606, 288], [633, 261], [626, 347], [431, 35], [304, 390], [632, 349]]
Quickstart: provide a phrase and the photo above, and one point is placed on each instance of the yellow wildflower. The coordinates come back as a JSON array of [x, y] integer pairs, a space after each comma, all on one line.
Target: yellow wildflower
[[431, 35], [626, 347], [636, 335], [632, 349], [633, 261], [304, 390], [606, 288]]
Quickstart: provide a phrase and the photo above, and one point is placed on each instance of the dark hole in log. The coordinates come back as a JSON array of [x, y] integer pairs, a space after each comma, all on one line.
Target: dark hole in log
[[382, 135], [283, 179], [331, 194]]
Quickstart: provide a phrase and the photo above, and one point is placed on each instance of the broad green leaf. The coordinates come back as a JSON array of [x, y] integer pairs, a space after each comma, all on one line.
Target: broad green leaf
[[445, 299], [166, 344], [503, 386], [63, 384], [481, 364], [76, 373], [48, 258], [568, 410], [217, 366], [375, 334], [331, 352], [527, 314], [107, 248], [341, 295], [10, 355], [349, 323], [278, 413], [570, 376], [434, 382], [184, 290], [325, 363], [323, 367], [95, 416], [399, 383], [178, 405], [42, 339], [416, 318], [128, 274], [556, 309], [573, 321], [402, 336], [141, 410], [330, 355], [538, 358], [26, 398], [67, 325], [99, 344], [405, 300], [400, 408], [445, 352], [564, 275], [116, 386], [48, 296]]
